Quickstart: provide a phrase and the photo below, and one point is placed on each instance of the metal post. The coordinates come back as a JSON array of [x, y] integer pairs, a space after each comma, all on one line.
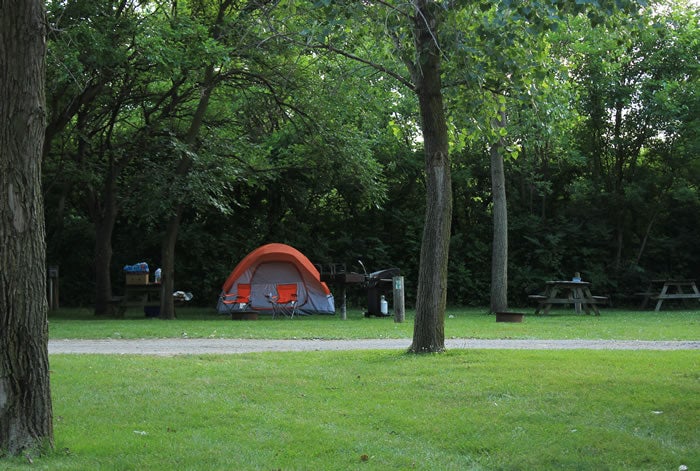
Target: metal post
[[53, 287], [343, 305], [399, 310]]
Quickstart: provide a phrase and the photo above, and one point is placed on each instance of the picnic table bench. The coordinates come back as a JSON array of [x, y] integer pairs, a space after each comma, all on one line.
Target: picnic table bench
[[663, 290], [577, 293], [144, 296]]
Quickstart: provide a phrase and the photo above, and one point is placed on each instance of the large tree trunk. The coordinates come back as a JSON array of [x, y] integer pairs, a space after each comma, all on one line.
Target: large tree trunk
[[429, 328], [499, 251], [25, 398]]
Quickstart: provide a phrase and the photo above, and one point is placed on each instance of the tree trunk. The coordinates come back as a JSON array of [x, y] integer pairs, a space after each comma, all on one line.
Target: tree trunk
[[645, 239], [499, 253], [429, 327], [105, 220], [167, 303], [25, 397]]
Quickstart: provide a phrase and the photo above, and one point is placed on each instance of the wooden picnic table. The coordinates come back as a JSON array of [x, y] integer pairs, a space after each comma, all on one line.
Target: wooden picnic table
[[662, 290], [145, 295], [565, 292]]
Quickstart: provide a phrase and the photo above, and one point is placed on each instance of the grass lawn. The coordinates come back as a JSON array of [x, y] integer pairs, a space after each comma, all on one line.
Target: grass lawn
[[467, 409], [461, 410], [459, 323]]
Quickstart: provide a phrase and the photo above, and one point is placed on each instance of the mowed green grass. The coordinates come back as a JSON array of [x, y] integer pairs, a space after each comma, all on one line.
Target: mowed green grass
[[462, 410], [459, 323]]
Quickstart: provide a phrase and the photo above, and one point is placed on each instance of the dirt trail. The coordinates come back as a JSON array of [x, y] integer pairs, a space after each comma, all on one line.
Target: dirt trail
[[169, 347]]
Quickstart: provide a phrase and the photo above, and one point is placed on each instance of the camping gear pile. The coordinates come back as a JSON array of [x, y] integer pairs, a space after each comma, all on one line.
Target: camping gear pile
[[136, 274], [141, 267]]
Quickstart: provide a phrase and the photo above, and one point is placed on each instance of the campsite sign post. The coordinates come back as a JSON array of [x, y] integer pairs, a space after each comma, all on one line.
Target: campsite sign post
[[399, 310]]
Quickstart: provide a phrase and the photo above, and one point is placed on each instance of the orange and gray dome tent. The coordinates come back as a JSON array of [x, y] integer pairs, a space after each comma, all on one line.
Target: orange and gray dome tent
[[268, 266]]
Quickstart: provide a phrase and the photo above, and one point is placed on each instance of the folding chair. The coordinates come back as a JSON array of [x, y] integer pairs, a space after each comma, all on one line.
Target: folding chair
[[285, 302], [239, 301]]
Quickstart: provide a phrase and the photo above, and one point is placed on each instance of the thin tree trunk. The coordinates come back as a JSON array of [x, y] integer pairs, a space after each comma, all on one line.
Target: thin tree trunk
[[167, 303], [25, 397], [619, 231], [104, 228], [429, 327], [499, 254], [643, 245]]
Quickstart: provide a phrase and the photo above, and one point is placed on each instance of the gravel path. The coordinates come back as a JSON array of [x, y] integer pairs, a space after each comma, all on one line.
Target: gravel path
[[169, 347]]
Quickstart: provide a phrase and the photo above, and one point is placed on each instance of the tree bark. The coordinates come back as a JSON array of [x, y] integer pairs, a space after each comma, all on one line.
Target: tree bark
[[104, 220], [25, 398], [499, 250], [429, 327], [167, 303]]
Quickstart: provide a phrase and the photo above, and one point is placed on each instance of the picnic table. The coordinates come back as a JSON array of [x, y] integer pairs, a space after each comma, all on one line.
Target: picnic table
[[662, 290], [567, 292], [146, 295]]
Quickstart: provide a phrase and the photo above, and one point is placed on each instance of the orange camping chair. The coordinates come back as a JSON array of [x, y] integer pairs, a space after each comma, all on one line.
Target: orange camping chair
[[239, 301], [285, 302]]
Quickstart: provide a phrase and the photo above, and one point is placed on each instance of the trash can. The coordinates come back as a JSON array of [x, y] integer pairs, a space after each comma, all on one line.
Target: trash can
[[151, 311]]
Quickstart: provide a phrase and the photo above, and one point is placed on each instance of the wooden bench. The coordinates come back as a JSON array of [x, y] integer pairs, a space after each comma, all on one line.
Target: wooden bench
[[676, 296], [671, 290], [596, 300], [660, 298], [139, 296], [562, 301], [117, 306], [547, 302]]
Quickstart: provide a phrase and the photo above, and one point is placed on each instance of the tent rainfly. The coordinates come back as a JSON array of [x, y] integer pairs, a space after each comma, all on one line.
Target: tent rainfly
[[268, 266]]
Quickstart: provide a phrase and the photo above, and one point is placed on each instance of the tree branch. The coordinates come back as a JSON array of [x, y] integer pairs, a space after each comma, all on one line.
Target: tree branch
[[400, 78]]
